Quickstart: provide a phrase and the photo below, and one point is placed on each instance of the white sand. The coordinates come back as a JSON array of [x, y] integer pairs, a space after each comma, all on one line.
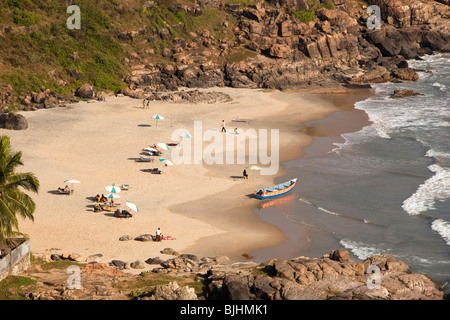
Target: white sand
[[97, 142]]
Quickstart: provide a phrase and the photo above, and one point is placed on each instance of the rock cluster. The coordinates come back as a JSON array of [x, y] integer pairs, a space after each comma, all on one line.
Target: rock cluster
[[334, 276], [338, 45]]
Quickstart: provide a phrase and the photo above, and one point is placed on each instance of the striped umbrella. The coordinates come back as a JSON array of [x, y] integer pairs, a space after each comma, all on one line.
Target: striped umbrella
[[163, 145], [113, 189], [157, 117], [186, 135], [132, 206], [112, 196]]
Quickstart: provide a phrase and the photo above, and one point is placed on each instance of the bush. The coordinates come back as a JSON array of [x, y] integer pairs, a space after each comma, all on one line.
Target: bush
[[303, 15]]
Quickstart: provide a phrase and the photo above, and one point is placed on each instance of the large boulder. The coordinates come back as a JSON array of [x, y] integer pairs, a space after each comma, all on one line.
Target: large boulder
[[13, 121], [85, 91]]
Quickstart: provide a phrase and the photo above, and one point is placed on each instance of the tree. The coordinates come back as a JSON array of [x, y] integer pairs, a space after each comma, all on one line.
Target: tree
[[13, 200]]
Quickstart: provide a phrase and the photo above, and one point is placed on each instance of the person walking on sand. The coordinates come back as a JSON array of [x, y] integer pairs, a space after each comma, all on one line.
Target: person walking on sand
[[223, 126], [158, 235]]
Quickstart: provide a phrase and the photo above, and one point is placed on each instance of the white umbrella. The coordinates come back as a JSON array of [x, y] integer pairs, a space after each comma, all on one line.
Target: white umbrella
[[113, 189], [72, 181], [253, 168], [112, 196], [150, 149], [132, 206]]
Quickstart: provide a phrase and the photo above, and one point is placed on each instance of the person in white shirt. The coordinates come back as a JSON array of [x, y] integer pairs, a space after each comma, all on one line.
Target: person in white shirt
[[158, 235]]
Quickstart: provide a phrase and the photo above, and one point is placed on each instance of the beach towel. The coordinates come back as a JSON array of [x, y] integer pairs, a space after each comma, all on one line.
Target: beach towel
[[167, 238]]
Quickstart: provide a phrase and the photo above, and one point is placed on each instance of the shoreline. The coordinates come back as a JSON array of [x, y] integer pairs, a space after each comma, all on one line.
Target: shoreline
[[59, 144], [276, 235], [325, 133]]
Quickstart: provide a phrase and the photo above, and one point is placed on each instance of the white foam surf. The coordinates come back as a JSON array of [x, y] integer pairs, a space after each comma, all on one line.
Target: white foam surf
[[443, 228], [361, 250], [436, 188]]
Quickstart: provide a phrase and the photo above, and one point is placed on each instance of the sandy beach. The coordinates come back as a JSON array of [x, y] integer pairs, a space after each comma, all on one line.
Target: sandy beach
[[205, 207]]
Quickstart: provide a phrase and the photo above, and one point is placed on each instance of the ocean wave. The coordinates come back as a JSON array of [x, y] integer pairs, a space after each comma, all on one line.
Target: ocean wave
[[364, 135], [361, 250], [436, 188], [437, 154], [441, 86], [443, 228], [328, 211]]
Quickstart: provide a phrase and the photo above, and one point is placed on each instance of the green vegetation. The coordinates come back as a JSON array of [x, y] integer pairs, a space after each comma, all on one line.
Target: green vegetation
[[243, 3], [13, 200], [309, 15], [15, 287], [40, 51], [303, 15]]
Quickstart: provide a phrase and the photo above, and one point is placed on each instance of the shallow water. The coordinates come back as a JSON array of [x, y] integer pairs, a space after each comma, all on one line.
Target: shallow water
[[384, 189]]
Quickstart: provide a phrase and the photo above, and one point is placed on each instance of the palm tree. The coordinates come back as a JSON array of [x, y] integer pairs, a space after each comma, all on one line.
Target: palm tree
[[13, 200]]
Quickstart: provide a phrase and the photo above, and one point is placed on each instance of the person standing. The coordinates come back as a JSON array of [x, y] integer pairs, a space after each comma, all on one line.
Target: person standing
[[223, 126], [158, 235]]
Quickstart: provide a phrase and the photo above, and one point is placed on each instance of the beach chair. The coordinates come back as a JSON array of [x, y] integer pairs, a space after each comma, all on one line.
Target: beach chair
[[64, 191], [143, 159], [124, 187]]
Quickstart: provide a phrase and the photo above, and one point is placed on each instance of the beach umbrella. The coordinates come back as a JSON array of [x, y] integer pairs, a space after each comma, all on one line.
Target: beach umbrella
[[113, 189], [132, 206], [186, 135], [253, 168], [157, 117], [163, 145], [72, 181], [112, 196], [151, 149], [168, 162]]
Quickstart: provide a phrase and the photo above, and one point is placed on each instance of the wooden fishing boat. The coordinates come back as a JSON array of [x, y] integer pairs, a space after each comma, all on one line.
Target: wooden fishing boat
[[275, 191]]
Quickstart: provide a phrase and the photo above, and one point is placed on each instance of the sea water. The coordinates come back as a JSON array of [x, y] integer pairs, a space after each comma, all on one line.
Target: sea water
[[386, 188]]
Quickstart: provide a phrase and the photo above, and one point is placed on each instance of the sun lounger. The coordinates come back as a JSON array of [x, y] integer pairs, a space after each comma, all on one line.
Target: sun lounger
[[143, 159], [64, 191], [153, 171], [124, 187], [122, 214]]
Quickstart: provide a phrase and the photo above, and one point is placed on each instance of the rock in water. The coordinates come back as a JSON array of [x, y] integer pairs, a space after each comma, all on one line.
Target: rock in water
[[13, 121]]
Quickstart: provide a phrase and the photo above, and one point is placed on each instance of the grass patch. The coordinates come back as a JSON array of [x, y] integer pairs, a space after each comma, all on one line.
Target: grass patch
[[15, 287]]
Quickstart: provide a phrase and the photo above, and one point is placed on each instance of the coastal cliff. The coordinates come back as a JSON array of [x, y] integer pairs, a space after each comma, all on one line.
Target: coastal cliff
[[138, 47], [334, 276]]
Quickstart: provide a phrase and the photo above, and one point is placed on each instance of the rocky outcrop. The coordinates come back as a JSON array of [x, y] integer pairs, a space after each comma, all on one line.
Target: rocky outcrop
[[337, 45], [334, 276]]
